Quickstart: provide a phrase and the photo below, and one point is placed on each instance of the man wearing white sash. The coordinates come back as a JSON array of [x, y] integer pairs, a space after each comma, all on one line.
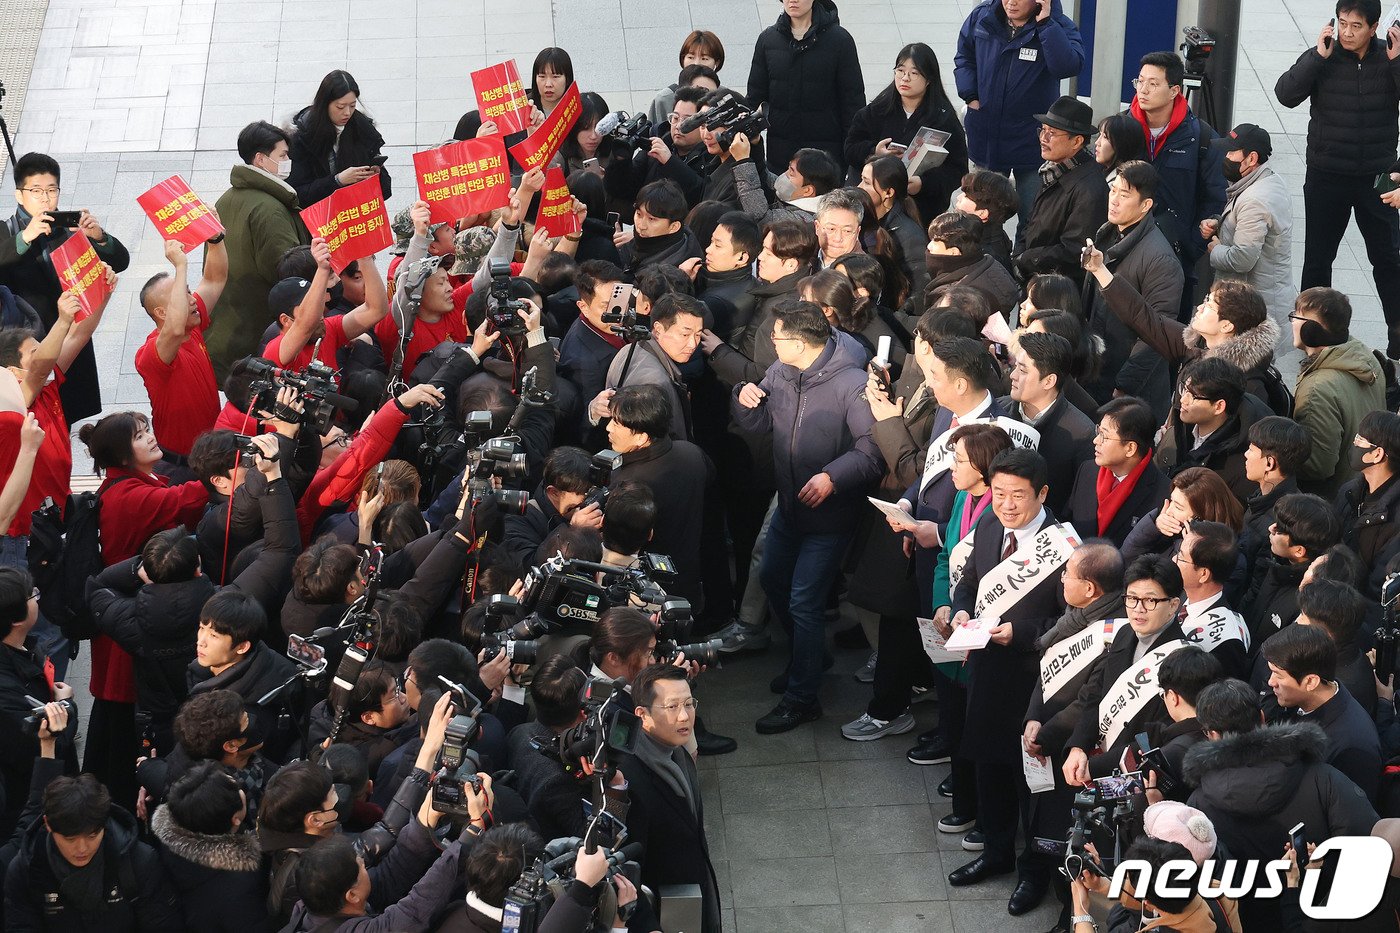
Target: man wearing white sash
[[1002, 675], [1120, 696], [1206, 560]]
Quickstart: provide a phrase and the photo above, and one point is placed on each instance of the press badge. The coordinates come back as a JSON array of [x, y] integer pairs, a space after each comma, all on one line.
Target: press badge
[[1029, 55]]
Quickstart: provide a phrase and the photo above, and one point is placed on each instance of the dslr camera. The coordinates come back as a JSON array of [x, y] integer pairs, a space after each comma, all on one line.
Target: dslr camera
[[676, 620], [519, 642], [608, 728], [458, 763], [497, 457], [315, 387], [504, 311], [600, 471]]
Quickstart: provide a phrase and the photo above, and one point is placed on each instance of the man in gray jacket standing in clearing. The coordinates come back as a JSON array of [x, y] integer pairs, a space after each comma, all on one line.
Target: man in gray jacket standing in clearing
[[1252, 240]]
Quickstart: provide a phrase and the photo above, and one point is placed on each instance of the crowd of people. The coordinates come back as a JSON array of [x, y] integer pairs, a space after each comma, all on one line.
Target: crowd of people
[[397, 599]]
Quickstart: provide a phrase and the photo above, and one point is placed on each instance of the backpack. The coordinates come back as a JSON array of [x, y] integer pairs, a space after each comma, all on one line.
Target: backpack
[[1276, 393], [63, 554]]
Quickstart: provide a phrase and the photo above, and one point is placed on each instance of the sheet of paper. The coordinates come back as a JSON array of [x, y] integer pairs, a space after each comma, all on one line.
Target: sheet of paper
[[1039, 776], [975, 634], [936, 646], [891, 510]]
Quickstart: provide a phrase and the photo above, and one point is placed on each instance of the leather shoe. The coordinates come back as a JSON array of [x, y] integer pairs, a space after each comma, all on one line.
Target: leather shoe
[[929, 753], [1026, 897], [708, 743], [785, 717], [979, 869], [945, 787]]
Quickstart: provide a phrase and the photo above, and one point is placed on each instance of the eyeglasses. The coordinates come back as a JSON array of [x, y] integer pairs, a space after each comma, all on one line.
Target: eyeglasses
[[1150, 85], [42, 192], [840, 231], [1149, 603], [1048, 133], [1298, 317], [775, 338], [35, 595], [908, 73], [1181, 559], [1106, 437], [672, 709], [340, 440]]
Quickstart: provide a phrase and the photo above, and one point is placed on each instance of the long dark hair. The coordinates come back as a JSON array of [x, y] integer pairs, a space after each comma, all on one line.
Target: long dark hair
[[889, 172], [1125, 136], [316, 127], [557, 61], [881, 244], [593, 108], [922, 58]]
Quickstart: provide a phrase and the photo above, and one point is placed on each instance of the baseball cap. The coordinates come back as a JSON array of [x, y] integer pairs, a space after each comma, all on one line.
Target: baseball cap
[[1250, 138], [286, 295]]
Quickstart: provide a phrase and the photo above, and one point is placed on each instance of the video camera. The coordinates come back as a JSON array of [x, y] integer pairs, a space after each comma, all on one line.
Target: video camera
[[1106, 808], [315, 387], [727, 119], [633, 131], [248, 452], [38, 714], [623, 318], [534, 893], [504, 311], [1196, 46], [458, 764], [607, 731], [563, 591], [676, 621], [600, 471]]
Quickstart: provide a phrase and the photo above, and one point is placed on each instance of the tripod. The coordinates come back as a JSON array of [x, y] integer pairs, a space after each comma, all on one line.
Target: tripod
[[5, 130], [1201, 96]]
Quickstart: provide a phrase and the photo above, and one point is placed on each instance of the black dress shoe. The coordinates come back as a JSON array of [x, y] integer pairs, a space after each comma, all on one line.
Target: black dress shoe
[[708, 743], [1026, 897], [945, 787], [929, 753], [785, 717], [979, 869]]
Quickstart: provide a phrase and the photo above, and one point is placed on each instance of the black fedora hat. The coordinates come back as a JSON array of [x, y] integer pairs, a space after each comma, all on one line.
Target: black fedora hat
[[1071, 115]]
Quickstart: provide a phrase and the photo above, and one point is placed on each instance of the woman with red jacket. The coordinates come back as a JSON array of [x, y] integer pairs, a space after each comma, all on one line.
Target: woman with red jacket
[[136, 503]]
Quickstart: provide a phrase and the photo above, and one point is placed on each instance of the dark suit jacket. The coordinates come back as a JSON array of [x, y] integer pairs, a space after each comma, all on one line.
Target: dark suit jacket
[[1147, 495], [1001, 678], [1109, 667], [677, 851], [1066, 441]]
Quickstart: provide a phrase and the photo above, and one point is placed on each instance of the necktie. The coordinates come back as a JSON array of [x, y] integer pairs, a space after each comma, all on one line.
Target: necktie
[[1181, 613], [954, 425], [1010, 545]]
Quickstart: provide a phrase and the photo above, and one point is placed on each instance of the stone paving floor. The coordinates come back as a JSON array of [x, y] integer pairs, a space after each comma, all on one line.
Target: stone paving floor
[[810, 832]]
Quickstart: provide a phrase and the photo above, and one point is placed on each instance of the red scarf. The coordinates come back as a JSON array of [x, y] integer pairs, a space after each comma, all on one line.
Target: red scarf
[[1111, 498], [614, 341], [1154, 145]]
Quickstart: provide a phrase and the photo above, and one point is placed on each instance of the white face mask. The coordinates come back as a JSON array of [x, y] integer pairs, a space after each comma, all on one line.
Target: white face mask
[[784, 188], [284, 169]]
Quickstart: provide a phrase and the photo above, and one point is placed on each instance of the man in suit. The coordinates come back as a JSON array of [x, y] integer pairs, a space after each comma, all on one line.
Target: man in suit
[[667, 814], [1002, 675], [1043, 365], [1121, 484]]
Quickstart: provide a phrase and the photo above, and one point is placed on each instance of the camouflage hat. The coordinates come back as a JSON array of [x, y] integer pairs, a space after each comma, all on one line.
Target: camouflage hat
[[402, 226], [471, 245]]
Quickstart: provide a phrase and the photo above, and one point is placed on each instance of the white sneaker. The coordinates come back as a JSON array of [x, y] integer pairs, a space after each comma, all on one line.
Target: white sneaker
[[867, 728], [866, 674]]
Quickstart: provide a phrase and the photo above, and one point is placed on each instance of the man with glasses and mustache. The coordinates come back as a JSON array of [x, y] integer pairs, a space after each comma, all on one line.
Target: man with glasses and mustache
[[26, 267]]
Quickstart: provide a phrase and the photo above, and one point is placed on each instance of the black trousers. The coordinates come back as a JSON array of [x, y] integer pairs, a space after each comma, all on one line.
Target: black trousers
[[1001, 802], [1330, 200], [900, 665], [952, 717]]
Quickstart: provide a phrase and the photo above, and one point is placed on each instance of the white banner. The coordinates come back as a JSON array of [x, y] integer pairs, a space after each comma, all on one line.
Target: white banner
[[1005, 585], [1130, 693], [940, 451], [1069, 657], [957, 561], [1214, 627]]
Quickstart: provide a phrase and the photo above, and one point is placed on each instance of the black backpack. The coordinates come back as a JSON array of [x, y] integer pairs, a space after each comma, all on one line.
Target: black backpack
[[1276, 394], [63, 554]]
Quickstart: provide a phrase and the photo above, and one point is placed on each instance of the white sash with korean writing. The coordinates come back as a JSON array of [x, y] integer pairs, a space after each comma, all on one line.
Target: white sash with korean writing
[[940, 452], [1069, 657], [1132, 691], [1214, 627], [1009, 581]]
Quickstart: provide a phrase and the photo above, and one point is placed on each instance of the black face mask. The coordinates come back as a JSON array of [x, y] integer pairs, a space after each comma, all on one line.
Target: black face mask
[[1231, 168], [335, 295], [1356, 453]]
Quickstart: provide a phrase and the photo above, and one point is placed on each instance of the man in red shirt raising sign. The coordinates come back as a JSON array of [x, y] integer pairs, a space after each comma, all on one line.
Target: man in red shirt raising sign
[[301, 311]]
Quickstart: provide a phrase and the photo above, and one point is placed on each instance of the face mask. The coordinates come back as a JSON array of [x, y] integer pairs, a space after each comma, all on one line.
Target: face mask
[[1356, 453], [284, 169], [784, 188], [335, 294], [1231, 169]]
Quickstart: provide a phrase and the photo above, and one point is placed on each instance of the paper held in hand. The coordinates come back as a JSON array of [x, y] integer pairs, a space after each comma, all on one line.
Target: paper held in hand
[[973, 635], [926, 150], [1039, 776], [936, 646], [891, 510]]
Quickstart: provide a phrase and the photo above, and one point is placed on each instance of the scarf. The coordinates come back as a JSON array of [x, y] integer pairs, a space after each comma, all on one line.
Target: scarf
[[944, 264], [662, 761], [1154, 144], [1111, 498], [1051, 172], [973, 507], [82, 888], [652, 245]]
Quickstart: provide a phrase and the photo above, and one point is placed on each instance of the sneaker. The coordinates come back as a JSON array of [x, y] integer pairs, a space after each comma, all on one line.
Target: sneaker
[[868, 727], [738, 638], [866, 674], [974, 841], [945, 787], [952, 823], [785, 717], [929, 753]]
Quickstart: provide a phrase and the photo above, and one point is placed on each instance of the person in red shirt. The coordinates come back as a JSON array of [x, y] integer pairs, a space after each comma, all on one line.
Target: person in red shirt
[[137, 502], [29, 437], [300, 307], [174, 362]]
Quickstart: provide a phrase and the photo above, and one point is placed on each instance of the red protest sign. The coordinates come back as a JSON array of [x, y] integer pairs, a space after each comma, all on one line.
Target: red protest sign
[[556, 214], [352, 221], [501, 98], [179, 213], [541, 145], [80, 272], [463, 178]]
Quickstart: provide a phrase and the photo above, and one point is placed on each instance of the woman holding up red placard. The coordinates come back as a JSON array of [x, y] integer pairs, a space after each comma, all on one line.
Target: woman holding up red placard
[[333, 143]]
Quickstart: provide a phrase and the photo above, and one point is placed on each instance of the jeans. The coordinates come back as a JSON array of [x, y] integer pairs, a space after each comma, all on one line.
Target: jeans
[[1329, 200], [753, 605], [797, 572], [1027, 179], [14, 552]]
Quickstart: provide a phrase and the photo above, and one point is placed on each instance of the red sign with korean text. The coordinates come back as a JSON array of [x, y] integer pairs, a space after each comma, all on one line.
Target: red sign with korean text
[[541, 145], [556, 214], [352, 221], [463, 178], [80, 271], [180, 214], [500, 98]]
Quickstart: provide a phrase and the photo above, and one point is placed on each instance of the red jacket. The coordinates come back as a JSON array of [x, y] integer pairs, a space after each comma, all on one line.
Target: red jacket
[[341, 480], [133, 509]]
